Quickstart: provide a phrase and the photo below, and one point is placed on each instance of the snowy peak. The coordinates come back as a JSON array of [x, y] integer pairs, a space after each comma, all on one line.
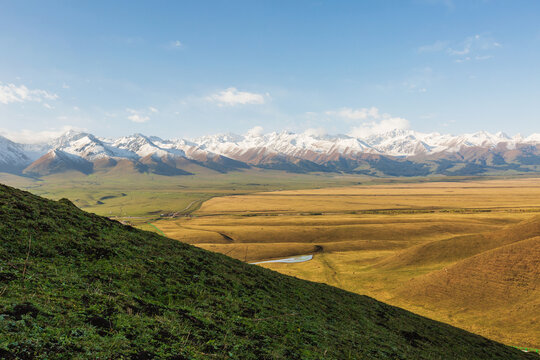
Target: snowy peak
[[67, 138], [12, 155], [399, 143], [144, 146], [484, 138], [91, 148], [283, 143], [532, 139]]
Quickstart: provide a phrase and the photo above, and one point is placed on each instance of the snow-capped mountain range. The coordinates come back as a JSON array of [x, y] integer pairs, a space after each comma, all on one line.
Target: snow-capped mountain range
[[413, 152]]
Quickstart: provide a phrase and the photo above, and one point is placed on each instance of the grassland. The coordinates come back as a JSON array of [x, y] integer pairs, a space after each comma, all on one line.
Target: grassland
[[79, 286], [386, 238], [399, 243]]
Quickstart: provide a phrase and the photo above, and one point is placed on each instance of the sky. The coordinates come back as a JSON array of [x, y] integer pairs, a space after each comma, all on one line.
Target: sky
[[183, 69]]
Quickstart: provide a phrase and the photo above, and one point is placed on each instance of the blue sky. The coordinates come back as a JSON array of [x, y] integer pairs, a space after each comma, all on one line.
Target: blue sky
[[184, 69]]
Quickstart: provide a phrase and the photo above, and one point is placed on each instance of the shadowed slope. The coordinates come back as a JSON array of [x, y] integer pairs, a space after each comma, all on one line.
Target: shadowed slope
[[80, 285]]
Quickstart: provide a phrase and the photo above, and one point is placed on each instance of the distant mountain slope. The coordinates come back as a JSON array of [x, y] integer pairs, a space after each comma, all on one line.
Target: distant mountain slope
[[12, 156], [58, 161], [76, 285], [394, 153]]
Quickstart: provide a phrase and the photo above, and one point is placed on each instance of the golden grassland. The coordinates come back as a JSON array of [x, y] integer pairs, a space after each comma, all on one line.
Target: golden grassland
[[494, 194], [466, 253]]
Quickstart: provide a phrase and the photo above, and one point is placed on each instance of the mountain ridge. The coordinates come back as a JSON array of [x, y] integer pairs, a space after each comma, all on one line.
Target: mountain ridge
[[395, 153]]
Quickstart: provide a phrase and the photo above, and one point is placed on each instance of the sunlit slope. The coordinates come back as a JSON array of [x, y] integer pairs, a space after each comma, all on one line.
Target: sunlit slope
[[76, 285], [461, 247], [504, 281]]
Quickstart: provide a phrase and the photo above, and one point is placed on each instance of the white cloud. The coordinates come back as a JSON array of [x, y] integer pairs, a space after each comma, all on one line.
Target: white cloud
[[474, 44], [11, 93], [472, 48], [26, 136], [255, 131], [176, 44], [462, 60], [379, 126], [316, 132], [232, 97], [371, 121], [355, 114], [137, 116], [153, 109]]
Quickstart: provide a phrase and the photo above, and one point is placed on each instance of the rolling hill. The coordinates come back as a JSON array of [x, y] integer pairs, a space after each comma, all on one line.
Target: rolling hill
[[77, 285], [504, 281], [496, 272], [464, 246]]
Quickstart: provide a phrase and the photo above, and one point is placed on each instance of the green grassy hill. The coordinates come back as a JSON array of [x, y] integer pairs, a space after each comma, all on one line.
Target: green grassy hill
[[76, 285]]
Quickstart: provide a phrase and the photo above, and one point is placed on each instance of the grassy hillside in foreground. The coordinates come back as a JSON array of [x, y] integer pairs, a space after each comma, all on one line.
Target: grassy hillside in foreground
[[76, 285]]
